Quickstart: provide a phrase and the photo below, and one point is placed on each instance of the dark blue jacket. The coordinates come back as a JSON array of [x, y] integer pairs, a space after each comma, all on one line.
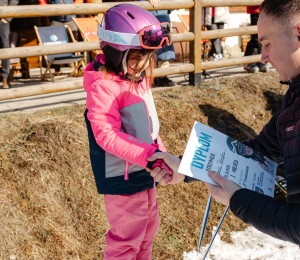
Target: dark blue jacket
[[61, 18]]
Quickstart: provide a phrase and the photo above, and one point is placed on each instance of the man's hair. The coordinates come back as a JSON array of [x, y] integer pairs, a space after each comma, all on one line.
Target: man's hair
[[282, 10]]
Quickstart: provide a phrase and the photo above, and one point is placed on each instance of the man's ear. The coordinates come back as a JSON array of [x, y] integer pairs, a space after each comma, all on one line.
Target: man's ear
[[298, 31]]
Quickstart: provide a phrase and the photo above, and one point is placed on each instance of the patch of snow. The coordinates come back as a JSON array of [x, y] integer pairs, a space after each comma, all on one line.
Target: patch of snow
[[249, 244]]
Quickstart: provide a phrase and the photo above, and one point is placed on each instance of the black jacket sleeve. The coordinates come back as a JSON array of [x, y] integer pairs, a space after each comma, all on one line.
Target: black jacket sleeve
[[267, 141], [188, 179], [275, 218]]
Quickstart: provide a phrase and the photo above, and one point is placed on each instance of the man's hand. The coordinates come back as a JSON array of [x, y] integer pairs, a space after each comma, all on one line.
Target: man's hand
[[4, 20], [224, 192], [160, 175], [154, 3]]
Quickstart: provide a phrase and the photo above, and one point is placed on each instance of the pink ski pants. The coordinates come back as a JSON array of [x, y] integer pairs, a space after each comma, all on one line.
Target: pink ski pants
[[134, 221]]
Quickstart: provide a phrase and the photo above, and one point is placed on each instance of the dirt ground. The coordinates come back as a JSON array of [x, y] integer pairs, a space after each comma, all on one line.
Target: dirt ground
[[49, 206]]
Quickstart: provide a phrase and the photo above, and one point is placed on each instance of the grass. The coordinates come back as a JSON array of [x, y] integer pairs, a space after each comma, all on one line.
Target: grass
[[49, 206]]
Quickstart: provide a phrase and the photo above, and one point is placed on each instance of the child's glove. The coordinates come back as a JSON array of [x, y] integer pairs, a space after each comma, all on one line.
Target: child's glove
[[161, 164]]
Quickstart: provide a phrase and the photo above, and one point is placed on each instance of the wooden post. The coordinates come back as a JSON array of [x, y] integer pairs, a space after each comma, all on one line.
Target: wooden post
[[195, 46]]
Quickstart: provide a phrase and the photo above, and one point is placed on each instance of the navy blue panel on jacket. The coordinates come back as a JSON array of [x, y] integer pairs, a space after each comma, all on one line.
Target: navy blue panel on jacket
[[138, 181]]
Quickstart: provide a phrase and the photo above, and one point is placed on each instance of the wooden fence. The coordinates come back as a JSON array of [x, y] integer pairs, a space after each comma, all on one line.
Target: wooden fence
[[195, 35]]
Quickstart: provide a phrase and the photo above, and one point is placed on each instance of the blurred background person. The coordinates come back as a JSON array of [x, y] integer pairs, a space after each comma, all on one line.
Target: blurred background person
[[62, 20], [215, 18], [166, 53], [4, 41], [254, 46]]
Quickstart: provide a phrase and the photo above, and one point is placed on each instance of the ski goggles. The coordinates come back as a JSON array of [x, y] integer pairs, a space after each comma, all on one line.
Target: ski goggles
[[151, 37]]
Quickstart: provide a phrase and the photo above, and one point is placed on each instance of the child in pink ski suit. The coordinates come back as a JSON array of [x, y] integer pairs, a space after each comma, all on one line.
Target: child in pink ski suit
[[123, 128]]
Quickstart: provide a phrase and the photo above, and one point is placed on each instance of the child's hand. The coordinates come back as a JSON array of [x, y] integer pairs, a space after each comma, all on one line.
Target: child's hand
[[161, 175], [163, 166], [172, 161]]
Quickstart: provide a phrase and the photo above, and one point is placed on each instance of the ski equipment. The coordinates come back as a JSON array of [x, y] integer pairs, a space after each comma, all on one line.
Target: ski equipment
[[140, 29], [204, 222]]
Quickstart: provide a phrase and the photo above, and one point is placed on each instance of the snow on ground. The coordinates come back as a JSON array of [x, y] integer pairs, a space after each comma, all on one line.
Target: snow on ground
[[248, 244]]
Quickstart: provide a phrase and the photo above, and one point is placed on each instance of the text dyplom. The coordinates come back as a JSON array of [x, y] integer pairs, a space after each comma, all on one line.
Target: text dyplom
[[201, 151], [209, 150]]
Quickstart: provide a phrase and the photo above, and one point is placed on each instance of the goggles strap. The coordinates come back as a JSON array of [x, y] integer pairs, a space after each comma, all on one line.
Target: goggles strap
[[118, 38]]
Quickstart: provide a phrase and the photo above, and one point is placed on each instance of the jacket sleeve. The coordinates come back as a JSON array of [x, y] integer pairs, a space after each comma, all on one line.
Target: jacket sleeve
[[161, 145], [270, 216], [267, 141], [43, 2], [105, 119]]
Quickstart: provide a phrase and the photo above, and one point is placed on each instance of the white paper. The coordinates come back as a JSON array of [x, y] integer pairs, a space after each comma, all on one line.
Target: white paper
[[210, 150]]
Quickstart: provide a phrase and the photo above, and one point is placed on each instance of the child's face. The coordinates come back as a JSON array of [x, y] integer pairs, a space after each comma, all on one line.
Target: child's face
[[132, 60]]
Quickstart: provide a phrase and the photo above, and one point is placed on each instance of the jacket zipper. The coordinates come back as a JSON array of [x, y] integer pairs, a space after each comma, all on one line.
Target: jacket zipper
[[126, 173], [148, 117], [280, 151]]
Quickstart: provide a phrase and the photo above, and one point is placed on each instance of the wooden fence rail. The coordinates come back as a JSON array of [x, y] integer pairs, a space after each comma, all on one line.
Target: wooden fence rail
[[53, 10], [66, 9], [220, 33], [216, 3], [23, 52], [194, 37], [32, 51]]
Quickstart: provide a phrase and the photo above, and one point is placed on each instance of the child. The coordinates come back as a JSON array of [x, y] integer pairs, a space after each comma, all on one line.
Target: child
[[123, 127]]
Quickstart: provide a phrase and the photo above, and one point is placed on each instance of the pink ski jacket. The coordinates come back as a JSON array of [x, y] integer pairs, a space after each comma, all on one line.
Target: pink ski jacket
[[124, 123]]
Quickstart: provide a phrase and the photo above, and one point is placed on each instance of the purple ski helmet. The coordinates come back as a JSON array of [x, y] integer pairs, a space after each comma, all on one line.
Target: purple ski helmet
[[126, 18]]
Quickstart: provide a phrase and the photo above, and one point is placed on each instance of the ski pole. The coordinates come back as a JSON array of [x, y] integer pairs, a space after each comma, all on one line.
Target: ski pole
[[204, 221], [215, 234], [279, 187]]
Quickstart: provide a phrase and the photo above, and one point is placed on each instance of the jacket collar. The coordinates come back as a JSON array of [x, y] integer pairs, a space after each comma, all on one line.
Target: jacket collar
[[292, 93], [296, 83]]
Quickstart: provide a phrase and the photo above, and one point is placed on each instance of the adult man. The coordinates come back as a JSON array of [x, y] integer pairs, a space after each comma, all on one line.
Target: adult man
[[4, 42], [63, 19], [279, 33]]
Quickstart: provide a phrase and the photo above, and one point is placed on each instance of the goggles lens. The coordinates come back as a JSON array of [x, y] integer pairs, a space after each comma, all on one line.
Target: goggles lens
[[155, 36]]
